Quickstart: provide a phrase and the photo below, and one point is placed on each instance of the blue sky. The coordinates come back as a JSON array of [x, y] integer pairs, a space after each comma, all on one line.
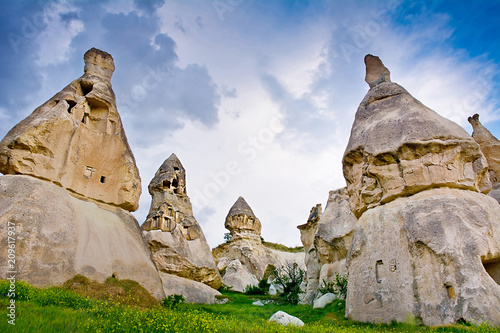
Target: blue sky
[[256, 98]]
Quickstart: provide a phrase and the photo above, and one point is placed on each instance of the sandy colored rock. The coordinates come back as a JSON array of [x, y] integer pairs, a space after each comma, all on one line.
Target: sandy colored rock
[[434, 255], [59, 236], [242, 220], [193, 292], [76, 140], [399, 147], [239, 277], [376, 72], [246, 244], [175, 238], [427, 242], [490, 146], [327, 241]]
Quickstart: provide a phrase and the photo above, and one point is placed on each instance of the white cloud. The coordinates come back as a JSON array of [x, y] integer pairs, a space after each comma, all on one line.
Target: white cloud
[[55, 39]]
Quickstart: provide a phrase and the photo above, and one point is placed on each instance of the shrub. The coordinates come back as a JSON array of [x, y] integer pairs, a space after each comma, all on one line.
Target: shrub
[[254, 290], [172, 301], [290, 277], [225, 288], [337, 287], [227, 237]]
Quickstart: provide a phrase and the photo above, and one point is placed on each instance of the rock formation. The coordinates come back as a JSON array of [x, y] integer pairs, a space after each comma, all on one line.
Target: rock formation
[[427, 241], [326, 238], [241, 221], [175, 238], [247, 248], [76, 140], [70, 182], [490, 146]]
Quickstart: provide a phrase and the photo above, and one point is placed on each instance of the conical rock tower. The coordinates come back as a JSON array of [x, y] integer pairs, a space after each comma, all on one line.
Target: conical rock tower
[[427, 240], [70, 183], [180, 250]]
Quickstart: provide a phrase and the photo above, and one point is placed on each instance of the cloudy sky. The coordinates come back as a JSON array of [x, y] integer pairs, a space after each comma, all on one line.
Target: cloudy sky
[[255, 97]]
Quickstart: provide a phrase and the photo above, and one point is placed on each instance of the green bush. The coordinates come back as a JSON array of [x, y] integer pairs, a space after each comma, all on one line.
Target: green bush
[[337, 287], [290, 277], [172, 301], [254, 290]]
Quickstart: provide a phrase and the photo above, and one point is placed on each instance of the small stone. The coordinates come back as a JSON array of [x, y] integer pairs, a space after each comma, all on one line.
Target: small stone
[[285, 319], [258, 303], [324, 300]]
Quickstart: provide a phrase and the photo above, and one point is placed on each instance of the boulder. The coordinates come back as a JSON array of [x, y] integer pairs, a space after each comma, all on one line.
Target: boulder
[[427, 241], [238, 277], [175, 238], [285, 319], [59, 236], [193, 291], [490, 146], [76, 140], [323, 300]]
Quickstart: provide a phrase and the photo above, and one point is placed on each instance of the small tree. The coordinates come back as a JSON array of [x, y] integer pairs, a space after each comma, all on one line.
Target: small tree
[[290, 277], [227, 237], [338, 287]]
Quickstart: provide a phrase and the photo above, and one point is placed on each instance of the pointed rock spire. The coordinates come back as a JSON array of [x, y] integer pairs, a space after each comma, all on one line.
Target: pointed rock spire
[[376, 72], [241, 219], [171, 176], [99, 63], [392, 136], [76, 140], [490, 146]]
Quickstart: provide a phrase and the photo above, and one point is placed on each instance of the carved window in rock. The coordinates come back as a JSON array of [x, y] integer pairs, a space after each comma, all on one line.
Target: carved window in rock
[[88, 172], [175, 185], [380, 272]]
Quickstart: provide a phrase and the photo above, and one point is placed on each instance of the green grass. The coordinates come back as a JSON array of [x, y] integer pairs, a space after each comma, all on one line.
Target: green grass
[[62, 310], [284, 248]]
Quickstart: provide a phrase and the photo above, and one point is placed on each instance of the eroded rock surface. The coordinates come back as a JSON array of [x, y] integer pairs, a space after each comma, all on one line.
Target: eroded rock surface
[[246, 245], [326, 241], [490, 146], [427, 241], [59, 236], [399, 147], [76, 140], [174, 236]]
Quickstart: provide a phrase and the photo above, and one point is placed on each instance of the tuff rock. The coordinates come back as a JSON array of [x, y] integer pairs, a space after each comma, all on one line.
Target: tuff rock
[[246, 245], [192, 291], [285, 319], [326, 238], [490, 146], [70, 182], [427, 241], [175, 238], [76, 140]]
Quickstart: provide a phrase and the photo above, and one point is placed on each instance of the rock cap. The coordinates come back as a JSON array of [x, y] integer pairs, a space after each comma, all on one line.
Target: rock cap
[[240, 207], [99, 63], [376, 72]]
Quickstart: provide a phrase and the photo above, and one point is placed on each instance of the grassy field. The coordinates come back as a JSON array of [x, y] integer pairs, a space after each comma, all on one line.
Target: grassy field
[[116, 307]]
